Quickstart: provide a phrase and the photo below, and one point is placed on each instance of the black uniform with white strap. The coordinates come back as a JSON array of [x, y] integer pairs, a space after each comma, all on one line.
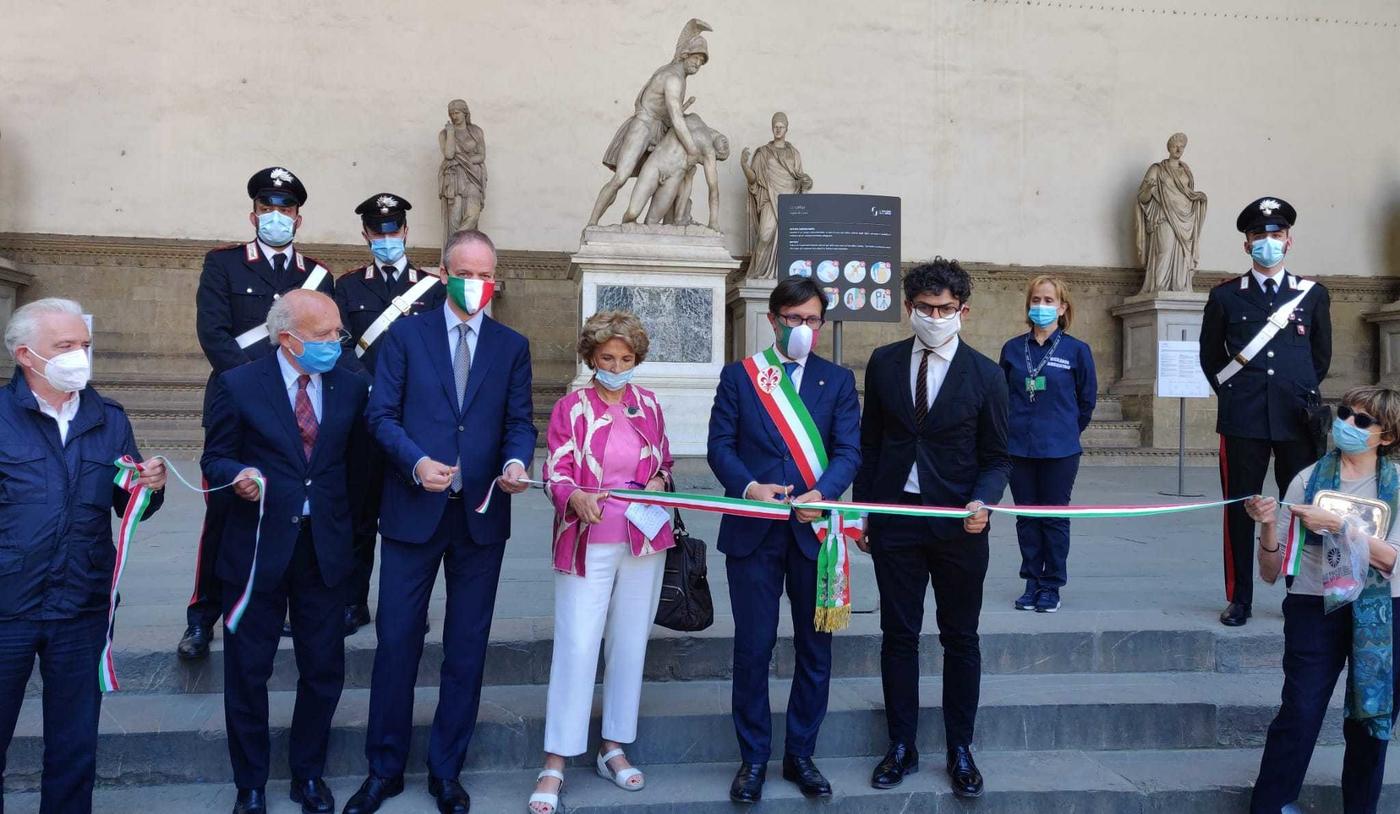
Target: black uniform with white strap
[[1262, 400]]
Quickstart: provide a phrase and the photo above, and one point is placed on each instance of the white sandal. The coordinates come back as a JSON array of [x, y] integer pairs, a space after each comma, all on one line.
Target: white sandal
[[551, 800], [621, 778]]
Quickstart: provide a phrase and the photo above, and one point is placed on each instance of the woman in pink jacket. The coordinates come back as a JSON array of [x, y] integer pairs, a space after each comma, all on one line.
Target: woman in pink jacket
[[609, 435]]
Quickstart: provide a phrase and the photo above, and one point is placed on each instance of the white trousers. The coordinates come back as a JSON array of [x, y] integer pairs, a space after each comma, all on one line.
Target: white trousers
[[615, 602]]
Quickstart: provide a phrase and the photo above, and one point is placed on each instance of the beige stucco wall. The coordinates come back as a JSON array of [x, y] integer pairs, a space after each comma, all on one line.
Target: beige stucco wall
[[1016, 132]]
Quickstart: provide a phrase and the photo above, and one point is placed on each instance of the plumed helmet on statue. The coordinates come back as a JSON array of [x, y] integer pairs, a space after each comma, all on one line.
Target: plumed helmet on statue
[[690, 41]]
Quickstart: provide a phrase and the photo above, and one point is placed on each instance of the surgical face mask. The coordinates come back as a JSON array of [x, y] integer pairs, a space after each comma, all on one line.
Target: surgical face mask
[[317, 357], [275, 229], [470, 295], [1349, 438], [1043, 316], [614, 381], [935, 332], [1267, 251], [387, 249], [796, 343], [67, 372]]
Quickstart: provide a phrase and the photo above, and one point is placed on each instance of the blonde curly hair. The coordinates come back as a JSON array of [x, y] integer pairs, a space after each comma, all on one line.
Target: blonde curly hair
[[605, 325]]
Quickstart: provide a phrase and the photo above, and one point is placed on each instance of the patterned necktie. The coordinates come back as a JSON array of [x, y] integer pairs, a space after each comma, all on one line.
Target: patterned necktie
[[921, 390], [1270, 289], [461, 367], [306, 417]]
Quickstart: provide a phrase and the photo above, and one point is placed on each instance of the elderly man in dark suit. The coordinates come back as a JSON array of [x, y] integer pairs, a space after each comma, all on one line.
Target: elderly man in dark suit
[[933, 434], [294, 419]]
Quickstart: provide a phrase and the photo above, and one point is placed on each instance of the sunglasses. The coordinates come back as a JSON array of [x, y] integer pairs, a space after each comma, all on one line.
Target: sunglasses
[[1361, 420]]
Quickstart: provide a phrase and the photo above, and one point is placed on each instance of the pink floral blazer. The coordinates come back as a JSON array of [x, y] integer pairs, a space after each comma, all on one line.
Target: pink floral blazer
[[577, 436]]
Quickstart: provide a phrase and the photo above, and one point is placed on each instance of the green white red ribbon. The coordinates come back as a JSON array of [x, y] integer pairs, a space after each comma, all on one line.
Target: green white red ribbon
[[833, 603], [129, 478]]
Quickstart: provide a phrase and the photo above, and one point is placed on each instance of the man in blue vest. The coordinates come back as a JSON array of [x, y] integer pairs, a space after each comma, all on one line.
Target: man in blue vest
[[61, 440]]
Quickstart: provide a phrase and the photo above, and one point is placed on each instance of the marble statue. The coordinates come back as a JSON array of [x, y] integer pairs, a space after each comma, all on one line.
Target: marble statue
[[772, 170], [462, 176], [666, 178], [1170, 213], [660, 104]]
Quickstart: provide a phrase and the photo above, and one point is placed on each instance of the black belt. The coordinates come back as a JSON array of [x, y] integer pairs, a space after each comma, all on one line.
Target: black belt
[[457, 495], [911, 499], [305, 523]]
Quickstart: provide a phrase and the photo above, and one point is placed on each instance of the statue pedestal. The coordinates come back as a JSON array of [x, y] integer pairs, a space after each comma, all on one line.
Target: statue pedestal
[[748, 310], [1147, 320], [673, 278], [1387, 322], [11, 281]]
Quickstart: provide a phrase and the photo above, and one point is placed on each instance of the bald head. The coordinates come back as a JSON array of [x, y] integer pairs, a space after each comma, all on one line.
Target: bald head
[[301, 316]]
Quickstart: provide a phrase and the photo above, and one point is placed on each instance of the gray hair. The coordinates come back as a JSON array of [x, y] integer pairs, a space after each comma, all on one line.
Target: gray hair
[[24, 323], [463, 237], [280, 317]]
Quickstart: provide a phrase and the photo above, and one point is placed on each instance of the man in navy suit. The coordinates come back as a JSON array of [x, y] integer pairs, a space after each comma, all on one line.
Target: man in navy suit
[[933, 434], [749, 456], [452, 411], [292, 418], [238, 285]]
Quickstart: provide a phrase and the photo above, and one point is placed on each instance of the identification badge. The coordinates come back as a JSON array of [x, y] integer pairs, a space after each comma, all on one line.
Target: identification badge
[[1035, 385]]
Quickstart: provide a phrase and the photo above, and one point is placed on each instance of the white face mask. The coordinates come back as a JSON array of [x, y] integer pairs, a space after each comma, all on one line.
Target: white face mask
[[67, 372], [935, 332], [798, 342]]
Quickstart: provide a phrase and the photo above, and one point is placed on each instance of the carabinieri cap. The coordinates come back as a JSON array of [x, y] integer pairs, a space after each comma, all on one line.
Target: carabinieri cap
[[384, 212], [276, 186], [1266, 215]]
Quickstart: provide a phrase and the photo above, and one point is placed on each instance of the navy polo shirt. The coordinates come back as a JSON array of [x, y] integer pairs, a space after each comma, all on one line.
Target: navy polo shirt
[[1049, 427]]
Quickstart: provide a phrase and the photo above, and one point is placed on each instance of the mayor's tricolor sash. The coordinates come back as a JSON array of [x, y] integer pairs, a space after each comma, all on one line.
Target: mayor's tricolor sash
[[778, 395]]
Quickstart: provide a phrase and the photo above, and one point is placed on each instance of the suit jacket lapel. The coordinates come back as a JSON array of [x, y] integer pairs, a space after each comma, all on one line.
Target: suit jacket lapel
[[952, 386], [481, 359], [261, 266], [378, 285], [281, 403], [901, 383], [433, 332], [330, 410], [1254, 294]]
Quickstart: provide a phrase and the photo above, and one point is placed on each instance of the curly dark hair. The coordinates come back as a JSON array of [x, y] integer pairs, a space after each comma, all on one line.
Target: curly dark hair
[[937, 276]]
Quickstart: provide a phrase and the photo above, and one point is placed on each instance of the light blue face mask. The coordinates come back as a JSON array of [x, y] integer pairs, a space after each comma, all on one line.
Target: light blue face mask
[[275, 229], [387, 249], [1350, 438], [1267, 251], [1043, 316], [317, 357], [614, 381]]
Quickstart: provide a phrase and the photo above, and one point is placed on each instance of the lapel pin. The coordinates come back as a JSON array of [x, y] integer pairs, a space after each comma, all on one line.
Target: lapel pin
[[821, 382]]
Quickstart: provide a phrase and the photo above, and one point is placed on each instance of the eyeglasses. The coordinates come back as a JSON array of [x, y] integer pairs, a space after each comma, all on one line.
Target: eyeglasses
[[944, 311], [1361, 420], [793, 320]]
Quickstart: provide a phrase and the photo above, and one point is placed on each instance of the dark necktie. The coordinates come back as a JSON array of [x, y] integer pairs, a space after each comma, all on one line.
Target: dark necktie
[[279, 267], [306, 417], [1270, 289], [391, 276], [921, 390]]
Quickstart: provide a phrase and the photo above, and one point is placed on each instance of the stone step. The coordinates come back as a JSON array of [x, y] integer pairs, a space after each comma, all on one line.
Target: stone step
[[1108, 408], [1147, 456], [1216, 781], [181, 738], [1113, 434], [515, 657]]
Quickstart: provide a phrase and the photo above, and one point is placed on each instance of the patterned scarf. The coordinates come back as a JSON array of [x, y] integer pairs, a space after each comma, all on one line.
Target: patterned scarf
[[1370, 676]]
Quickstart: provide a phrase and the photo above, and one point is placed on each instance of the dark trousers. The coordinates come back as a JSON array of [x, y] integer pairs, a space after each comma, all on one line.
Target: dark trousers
[[368, 497], [406, 575], [318, 640], [1315, 651], [1044, 540], [206, 601], [68, 652], [756, 584], [1243, 464], [907, 557]]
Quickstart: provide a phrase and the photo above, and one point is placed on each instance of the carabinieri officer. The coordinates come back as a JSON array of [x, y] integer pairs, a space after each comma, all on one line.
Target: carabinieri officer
[[237, 287], [1266, 374], [370, 298]]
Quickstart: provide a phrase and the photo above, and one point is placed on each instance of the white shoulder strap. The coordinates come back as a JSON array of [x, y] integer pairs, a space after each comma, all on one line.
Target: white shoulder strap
[[1277, 321], [398, 307], [312, 282]]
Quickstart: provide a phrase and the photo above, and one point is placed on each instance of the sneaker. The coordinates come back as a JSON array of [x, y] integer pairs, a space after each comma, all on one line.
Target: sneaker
[[1048, 600], [1026, 601]]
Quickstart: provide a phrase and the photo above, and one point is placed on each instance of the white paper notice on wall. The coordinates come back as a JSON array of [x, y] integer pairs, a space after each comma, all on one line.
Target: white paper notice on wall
[[1179, 374], [647, 518]]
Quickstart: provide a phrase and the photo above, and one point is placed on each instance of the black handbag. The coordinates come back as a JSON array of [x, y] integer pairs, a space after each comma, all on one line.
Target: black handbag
[[686, 604]]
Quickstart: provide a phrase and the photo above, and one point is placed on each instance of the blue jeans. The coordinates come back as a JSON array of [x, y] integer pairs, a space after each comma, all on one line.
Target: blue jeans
[[1044, 540], [68, 652]]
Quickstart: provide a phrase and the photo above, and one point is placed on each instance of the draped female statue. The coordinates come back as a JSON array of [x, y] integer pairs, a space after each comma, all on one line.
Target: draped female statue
[[1170, 213]]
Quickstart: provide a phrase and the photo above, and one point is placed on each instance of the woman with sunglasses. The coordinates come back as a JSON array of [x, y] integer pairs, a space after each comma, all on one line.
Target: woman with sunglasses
[[1359, 635]]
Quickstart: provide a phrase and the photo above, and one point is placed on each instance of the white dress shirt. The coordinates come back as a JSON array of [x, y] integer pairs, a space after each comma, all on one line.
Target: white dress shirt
[[63, 414], [313, 392], [938, 363], [1277, 277], [392, 271], [268, 252]]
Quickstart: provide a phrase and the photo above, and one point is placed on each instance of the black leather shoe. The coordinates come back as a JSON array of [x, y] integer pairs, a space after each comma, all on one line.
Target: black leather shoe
[[194, 645], [451, 797], [803, 772], [748, 783], [372, 794], [356, 617], [314, 795], [1235, 615], [899, 761], [962, 772], [251, 801]]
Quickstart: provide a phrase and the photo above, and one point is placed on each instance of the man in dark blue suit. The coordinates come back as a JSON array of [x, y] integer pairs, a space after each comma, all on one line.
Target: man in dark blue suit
[[751, 458], [238, 285], [294, 419], [371, 298], [933, 434], [452, 411]]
